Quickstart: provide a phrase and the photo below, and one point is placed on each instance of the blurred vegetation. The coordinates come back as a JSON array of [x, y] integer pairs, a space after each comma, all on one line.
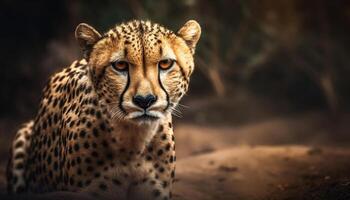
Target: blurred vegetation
[[291, 50]]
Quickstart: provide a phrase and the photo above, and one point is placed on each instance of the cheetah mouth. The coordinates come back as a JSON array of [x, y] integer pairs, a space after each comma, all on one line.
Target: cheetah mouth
[[146, 117]]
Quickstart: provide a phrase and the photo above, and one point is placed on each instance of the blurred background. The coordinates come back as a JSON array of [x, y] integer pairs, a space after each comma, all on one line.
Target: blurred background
[[292, 54], [256, 61], [267, 72]]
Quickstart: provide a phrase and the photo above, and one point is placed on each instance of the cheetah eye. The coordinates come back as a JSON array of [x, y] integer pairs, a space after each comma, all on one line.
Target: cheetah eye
[[120, 65], [165, 64]]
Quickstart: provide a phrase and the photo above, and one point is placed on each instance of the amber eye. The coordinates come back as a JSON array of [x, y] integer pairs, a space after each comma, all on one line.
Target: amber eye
[[165, 64], [120, 65]]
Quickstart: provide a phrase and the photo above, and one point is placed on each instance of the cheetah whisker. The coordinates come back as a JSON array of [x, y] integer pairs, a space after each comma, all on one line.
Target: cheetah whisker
[[176, 112]]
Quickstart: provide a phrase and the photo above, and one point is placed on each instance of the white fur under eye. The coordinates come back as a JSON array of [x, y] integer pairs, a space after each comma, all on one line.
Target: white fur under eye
[[119, 55]]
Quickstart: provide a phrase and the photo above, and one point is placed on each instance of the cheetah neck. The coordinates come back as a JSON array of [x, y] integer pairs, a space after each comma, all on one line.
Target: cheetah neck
[[133, 138]]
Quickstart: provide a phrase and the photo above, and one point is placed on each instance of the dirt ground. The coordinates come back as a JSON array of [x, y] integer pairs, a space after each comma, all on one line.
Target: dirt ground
[[265, 173], [259, 161]]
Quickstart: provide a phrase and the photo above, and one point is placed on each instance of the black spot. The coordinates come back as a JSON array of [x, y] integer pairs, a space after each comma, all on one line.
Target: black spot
[[95, 102], [49, 159], [149, 148], [109, 156], [161, 169], [88, 124], [90, 169], [80, 184], [92, 111], [148, 158], [104, 143], [97, 174], [95, 132], [100, 162], [61, 103], [88, 90], [54, 105], [88, 160], [71, 124], [102, 126], [116, 181], [160, 152], [156, 193], [87, 182], [76, 147], [164, 136], [56, 151], [103, 186], [167, 147], [161, 128], [44, 125], [86, 145], [82, 133], [122, 150], [98, 115], [55, 165], [19, 144], [71, 181], [94, 154]]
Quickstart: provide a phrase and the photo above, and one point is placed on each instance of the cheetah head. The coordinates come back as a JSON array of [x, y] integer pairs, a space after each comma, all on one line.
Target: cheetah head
[[139, 68]]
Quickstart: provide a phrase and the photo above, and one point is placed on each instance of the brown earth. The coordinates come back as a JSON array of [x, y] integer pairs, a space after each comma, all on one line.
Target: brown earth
[[265, 173]]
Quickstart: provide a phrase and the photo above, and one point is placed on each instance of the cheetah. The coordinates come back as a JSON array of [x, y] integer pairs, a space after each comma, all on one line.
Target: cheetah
[[104, 124]]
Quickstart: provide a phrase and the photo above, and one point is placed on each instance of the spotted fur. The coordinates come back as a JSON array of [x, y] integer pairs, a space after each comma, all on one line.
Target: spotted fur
[[16, 164], [89, 136]]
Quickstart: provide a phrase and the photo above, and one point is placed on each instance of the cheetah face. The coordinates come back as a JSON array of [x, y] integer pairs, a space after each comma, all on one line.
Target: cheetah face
[[140, 69]]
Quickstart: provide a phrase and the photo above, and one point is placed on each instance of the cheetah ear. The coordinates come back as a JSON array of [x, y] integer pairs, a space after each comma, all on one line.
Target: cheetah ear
[[191, 33], [86, 36]]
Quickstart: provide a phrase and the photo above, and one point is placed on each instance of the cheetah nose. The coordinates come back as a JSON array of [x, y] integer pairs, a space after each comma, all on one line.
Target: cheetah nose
[[144, 101]]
